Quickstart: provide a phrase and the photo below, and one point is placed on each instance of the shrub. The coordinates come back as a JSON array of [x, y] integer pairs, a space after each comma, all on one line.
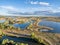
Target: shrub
[[22, 44], [11, 42], [32, 35]]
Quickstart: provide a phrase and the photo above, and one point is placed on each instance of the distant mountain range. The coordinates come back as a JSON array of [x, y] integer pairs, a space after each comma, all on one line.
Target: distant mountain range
[[46, 13], [35, 13]]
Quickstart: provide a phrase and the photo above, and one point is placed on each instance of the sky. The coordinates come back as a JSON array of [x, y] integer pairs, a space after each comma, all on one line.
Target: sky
[[30, 7]]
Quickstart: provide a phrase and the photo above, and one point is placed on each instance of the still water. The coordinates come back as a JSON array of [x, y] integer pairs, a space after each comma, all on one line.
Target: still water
[[54, 25], [21, 40], [22, 26]]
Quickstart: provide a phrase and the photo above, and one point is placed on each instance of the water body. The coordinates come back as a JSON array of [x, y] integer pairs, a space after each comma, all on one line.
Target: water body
[[22, 26], [54, 25], [1, 21], [21, 40]]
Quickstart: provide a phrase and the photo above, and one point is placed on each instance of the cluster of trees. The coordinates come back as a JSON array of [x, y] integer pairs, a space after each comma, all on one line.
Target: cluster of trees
[[4, 25], [30, 27], [11, 42], [39, 40], [7, 25], [1, 34]]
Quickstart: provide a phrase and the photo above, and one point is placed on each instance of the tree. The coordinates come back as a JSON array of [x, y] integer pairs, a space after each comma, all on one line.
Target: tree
[[21, 43], [32, 34]]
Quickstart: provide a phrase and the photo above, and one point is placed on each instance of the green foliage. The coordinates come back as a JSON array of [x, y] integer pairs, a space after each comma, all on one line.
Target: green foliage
[[22, 22], [6, 25], [32, 34], [26, 44], [0, 32], [11, 21], [12, 42], [22, 44], [30, 27], [16, 44], [39, 40], [6, 22], [5, 41]]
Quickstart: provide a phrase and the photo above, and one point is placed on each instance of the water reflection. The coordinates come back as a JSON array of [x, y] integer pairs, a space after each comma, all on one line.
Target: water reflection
[[54, 25]]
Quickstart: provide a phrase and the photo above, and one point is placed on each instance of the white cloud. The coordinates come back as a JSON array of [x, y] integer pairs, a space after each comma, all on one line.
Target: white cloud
[[8, 8], [40, 3], [5, 9], [34, 2], [54, 9], [44, 3]]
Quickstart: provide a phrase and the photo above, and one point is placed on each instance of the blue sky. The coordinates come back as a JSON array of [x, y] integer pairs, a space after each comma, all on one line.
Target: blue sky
[[30, 7]]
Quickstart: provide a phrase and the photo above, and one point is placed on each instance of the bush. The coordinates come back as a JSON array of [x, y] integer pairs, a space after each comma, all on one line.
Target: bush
[[32, 35], [11, 42], [22, 44], [5, 41]]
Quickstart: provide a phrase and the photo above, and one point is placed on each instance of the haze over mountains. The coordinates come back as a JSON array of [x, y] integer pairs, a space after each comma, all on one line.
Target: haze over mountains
[[38, 13]]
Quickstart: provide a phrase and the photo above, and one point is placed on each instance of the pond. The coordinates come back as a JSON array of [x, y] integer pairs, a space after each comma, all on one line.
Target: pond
[[30, 41], [16, 25], [1, 21], [22, 26], [54, 25]]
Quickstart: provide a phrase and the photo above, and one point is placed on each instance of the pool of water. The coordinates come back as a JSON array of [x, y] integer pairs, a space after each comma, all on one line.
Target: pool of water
[[22, 26], [54, 25], [21, 40], [1, 21]]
